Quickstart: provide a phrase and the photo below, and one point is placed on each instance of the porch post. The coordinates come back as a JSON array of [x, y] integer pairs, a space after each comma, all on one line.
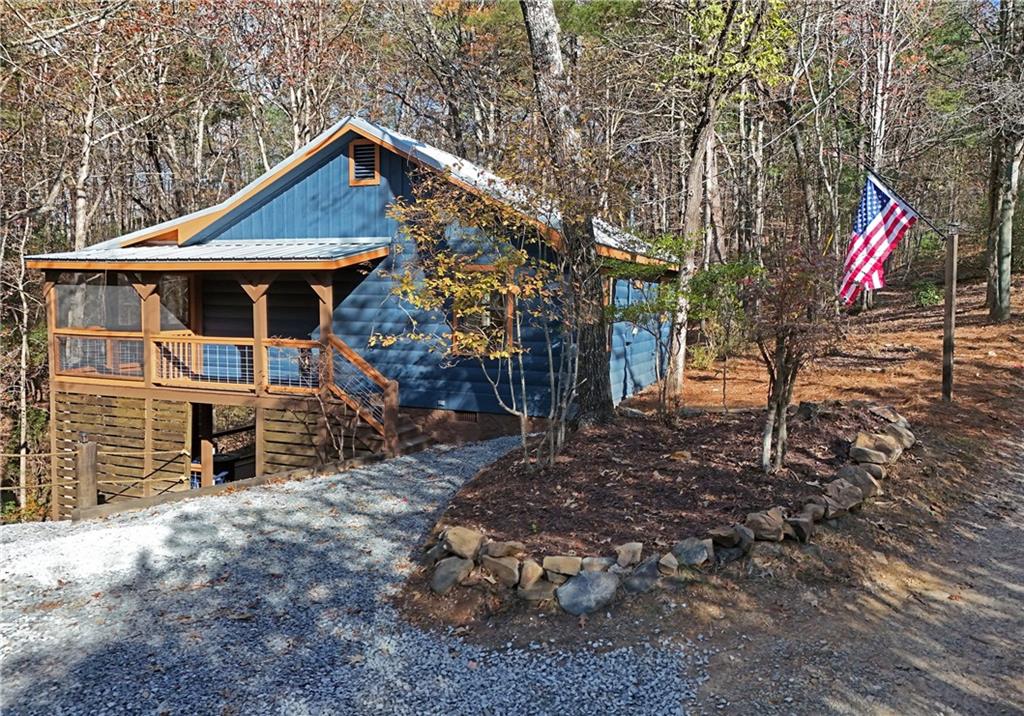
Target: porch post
[[257, 291], [52, 348], [322, 283], [146, 286]]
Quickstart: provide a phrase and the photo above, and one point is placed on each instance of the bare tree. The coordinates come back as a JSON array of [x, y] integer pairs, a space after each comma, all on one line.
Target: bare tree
[[577, 199]]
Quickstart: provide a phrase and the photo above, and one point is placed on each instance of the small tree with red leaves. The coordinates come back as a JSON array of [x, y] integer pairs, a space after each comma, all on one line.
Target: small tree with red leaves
[[791, 308]]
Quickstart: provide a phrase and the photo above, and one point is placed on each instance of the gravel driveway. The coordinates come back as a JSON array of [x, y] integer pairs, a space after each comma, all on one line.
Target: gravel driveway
[[271, 600]]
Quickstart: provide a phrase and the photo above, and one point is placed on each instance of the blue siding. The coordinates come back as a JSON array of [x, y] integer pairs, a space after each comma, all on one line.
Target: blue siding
[[315, 200], [426, 377], [634, 358]]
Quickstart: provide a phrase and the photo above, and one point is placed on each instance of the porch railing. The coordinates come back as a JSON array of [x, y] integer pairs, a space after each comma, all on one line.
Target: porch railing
[[294, 365], [366, 390], [99, 354], [184, 360]]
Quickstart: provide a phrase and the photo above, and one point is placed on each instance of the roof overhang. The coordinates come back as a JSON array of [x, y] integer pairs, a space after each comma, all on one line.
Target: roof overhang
[[117, 260]]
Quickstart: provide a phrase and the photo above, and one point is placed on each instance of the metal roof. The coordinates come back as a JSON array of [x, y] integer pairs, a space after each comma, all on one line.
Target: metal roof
[[227, 250]]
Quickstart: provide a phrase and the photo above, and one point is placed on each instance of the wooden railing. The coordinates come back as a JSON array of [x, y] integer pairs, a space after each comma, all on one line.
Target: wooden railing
[[97, 353], [188, 360], [184, 360], [294, 365], [366, 390]]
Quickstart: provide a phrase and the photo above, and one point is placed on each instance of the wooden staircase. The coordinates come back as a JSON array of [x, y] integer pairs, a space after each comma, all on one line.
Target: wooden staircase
[[363, 439], [367, 409]]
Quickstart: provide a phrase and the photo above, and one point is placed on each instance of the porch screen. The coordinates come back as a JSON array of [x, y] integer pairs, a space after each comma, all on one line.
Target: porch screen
[[98, 301]]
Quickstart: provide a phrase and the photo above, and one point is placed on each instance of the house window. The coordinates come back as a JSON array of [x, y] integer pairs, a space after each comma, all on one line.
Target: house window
[[364, 163], [483, 327]]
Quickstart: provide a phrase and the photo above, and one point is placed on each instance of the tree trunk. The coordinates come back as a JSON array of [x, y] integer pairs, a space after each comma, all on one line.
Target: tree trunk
[[554, 98], [692, 218], [1001, 231]]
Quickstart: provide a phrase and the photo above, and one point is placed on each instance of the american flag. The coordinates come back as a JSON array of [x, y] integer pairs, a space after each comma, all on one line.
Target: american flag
[[882, 220]]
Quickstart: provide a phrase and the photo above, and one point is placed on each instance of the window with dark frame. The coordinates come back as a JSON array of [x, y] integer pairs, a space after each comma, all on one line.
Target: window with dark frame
[[364, 163]]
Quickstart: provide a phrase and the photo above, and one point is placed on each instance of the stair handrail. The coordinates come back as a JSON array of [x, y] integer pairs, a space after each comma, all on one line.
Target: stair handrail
[[388, 427]]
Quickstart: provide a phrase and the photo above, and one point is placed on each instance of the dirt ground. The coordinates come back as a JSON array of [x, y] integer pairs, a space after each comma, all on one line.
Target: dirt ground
[[915, 605], [663, 482]]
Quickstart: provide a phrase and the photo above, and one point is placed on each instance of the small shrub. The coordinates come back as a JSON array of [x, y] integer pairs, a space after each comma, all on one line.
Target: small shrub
[[701, 357], [926, 294]]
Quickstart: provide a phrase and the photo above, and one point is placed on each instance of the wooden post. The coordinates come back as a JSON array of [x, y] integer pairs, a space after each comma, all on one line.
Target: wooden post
[[206, 461], [146, 287], [261, 441], [147, 446], [949, 324], [257, 291], [52, 349], [391, 446], [86, 475], [322, 283]]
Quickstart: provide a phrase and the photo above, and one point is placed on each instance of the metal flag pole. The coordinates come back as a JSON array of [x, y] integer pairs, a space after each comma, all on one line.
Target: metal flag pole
[[952, 239]]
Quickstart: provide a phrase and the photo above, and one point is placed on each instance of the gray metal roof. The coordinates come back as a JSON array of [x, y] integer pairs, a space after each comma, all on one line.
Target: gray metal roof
[[227, 250]]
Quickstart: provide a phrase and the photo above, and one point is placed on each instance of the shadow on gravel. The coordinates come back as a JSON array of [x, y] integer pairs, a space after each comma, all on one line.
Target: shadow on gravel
[[253, 598]]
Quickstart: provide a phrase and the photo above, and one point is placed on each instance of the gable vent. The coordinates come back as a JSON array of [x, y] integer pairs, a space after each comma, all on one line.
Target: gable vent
[[365, 158]]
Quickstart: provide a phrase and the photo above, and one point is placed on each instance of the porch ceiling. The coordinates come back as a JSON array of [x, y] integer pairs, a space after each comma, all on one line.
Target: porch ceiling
[[277, 254]]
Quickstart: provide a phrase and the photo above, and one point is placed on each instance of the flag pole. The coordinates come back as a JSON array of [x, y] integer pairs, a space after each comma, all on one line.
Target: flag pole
[[952, 238], [887, 184]]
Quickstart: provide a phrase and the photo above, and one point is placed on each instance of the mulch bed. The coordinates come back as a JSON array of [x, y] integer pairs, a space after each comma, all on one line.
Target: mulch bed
[[620, 482]]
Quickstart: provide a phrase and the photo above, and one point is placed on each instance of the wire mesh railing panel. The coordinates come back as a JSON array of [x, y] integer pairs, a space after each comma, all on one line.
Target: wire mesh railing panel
[[194, 360], [291, 366], [105, 356], [353, 381]]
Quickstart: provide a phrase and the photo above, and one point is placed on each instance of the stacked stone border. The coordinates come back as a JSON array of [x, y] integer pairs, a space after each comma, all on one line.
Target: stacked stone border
[[580, 585]]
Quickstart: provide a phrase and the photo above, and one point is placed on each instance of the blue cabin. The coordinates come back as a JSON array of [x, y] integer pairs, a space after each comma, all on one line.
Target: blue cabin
[[240, 335]]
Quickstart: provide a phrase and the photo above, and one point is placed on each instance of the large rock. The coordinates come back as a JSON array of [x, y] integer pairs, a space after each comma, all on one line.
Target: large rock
[[814, 510], [724, 536], [587, 592], [747, 537], [856, 475], [530, 573], [504, 569], [668, 564], [865, 445], [693, 552], [840, 497], [629, 554], [538, 591], [645, 577], [597, 564], [802, 526], [876, 471], [867, 455], [903, 435], [462, 541], [767, 526], [890, 415], [504, 549], [569, 566], [449, 572], [435, 554], [744, 543]]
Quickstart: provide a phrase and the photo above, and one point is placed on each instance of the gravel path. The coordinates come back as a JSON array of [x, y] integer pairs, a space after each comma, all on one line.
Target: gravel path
[[940, 630], [271, 600]]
